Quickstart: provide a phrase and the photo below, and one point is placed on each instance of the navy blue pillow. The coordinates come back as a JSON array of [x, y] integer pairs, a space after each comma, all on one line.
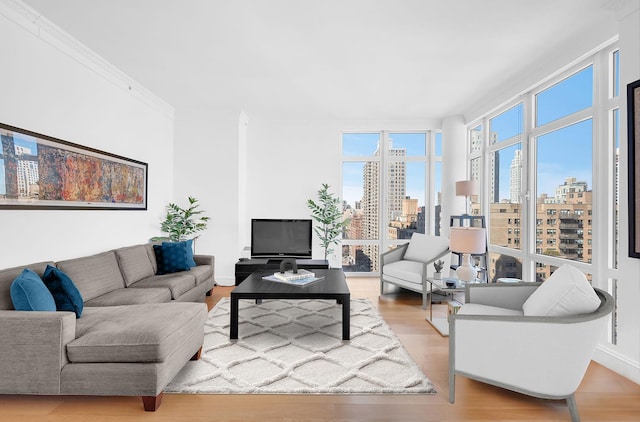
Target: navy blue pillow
[[189, 247], [157, 249], [174, 257], [64, 291], [28, 293]]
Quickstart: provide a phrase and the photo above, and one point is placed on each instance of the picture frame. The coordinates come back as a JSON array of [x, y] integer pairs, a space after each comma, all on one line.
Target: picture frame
[[633, 125], [42, 172]]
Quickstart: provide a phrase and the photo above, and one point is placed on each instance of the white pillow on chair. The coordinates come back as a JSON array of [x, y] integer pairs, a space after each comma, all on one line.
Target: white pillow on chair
[[567, 292], [423, 247]]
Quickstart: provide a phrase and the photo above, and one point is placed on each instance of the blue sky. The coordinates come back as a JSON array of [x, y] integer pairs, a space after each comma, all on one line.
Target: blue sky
[[560, 154], [564, 153]]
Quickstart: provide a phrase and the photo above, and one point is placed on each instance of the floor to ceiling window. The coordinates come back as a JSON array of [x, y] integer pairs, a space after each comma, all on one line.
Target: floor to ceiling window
[[385, 180], [548, 157]]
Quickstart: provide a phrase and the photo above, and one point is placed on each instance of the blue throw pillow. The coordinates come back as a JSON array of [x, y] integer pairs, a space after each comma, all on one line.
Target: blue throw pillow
[[174, 257], [189, 246], [28, 293], [190, 261], [64, 291]]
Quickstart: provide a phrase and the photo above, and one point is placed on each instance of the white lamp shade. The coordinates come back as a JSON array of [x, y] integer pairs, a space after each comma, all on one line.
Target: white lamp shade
[[466, 188], [471, 240]]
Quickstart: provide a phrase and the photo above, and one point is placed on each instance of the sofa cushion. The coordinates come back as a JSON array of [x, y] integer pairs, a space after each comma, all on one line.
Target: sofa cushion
[[567, 292], [405, 270], [423, 247], [64, 291], [94, 275], [177, 283], [202, 273], [135, 333], [29, 293], [8, 275], [134, 263], [127, 296]]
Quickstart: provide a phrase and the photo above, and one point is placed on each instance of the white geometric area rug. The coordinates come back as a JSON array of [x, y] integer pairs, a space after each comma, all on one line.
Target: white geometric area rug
[[295, 346]]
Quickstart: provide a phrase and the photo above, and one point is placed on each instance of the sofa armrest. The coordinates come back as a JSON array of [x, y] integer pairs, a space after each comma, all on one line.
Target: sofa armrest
[[204, 260], [508, 295], [33, 350]]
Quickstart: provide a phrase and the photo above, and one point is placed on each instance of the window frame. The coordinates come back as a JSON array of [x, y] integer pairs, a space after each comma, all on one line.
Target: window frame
[[603, 103], [384, 159]]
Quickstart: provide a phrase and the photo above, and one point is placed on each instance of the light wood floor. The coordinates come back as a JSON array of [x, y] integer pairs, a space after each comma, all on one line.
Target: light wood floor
[[602, 396]]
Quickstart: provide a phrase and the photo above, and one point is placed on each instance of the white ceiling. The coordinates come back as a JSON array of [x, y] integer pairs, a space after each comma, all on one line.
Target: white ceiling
[[328, 59]]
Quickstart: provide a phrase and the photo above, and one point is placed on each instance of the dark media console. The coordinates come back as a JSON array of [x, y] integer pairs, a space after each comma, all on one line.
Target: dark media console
[[246, 266]]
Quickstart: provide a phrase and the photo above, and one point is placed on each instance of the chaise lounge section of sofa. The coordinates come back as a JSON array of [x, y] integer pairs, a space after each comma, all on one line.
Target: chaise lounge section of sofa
[[136, 332]]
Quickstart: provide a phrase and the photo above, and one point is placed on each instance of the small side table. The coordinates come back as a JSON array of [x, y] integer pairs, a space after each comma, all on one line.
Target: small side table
[[441, 324]]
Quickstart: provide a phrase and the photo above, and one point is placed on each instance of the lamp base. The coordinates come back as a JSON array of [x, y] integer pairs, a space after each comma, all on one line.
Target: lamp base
[[466, 272]]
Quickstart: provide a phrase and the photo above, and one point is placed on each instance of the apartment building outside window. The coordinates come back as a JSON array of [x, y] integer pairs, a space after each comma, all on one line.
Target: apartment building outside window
[[386, 184]]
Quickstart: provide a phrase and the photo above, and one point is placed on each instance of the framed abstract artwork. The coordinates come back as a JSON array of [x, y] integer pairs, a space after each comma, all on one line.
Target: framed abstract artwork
[[633, 123], [42, 172]]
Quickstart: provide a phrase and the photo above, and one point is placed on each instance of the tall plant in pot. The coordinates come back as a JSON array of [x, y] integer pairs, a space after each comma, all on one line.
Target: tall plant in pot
[[182, 223], [326, 212]]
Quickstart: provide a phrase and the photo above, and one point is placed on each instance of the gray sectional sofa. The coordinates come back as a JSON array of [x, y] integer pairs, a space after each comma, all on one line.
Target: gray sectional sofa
[[137, 329]]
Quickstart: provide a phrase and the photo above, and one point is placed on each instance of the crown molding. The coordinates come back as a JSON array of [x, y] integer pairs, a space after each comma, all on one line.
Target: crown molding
[[35, 23]]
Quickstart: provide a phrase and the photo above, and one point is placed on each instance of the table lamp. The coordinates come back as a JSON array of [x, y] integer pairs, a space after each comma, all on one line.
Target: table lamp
[[466, 188], [467, 240]]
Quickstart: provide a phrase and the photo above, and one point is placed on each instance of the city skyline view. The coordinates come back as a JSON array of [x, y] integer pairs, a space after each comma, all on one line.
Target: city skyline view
[[560, 154], [552, 161]]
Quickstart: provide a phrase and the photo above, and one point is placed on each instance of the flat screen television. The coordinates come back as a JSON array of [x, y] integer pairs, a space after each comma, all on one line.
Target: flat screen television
[[279, 238]]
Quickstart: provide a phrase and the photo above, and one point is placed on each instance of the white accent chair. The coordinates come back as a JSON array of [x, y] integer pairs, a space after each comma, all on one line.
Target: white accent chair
[[542, 349], [407, 265]]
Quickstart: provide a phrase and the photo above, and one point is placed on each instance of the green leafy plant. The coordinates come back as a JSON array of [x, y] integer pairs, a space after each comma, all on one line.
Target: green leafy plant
[[327, 213], [181, 223], [438, 265]]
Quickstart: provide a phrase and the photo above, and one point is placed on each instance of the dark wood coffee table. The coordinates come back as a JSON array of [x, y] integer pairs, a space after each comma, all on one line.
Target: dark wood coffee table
[[333, 286]]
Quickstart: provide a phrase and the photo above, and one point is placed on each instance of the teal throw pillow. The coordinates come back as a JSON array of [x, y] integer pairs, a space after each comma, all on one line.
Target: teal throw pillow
[[174, 257], [190, 261], [29, 293], [189, 247], [64, 291]]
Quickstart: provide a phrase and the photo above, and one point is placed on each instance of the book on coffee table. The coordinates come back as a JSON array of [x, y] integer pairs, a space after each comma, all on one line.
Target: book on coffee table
[[290, 275], [301, 278]]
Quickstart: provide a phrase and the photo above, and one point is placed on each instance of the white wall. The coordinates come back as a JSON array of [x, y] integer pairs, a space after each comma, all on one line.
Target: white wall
[[207, 167], [454, 147], [625, 356], [51, 85]]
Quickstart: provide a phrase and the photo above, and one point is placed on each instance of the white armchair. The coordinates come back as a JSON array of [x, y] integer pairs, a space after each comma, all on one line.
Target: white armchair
[[493, 341], [407, 265]]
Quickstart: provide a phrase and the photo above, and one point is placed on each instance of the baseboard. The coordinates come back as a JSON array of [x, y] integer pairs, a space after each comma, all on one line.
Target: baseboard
[[225, 280], [618, 363]]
